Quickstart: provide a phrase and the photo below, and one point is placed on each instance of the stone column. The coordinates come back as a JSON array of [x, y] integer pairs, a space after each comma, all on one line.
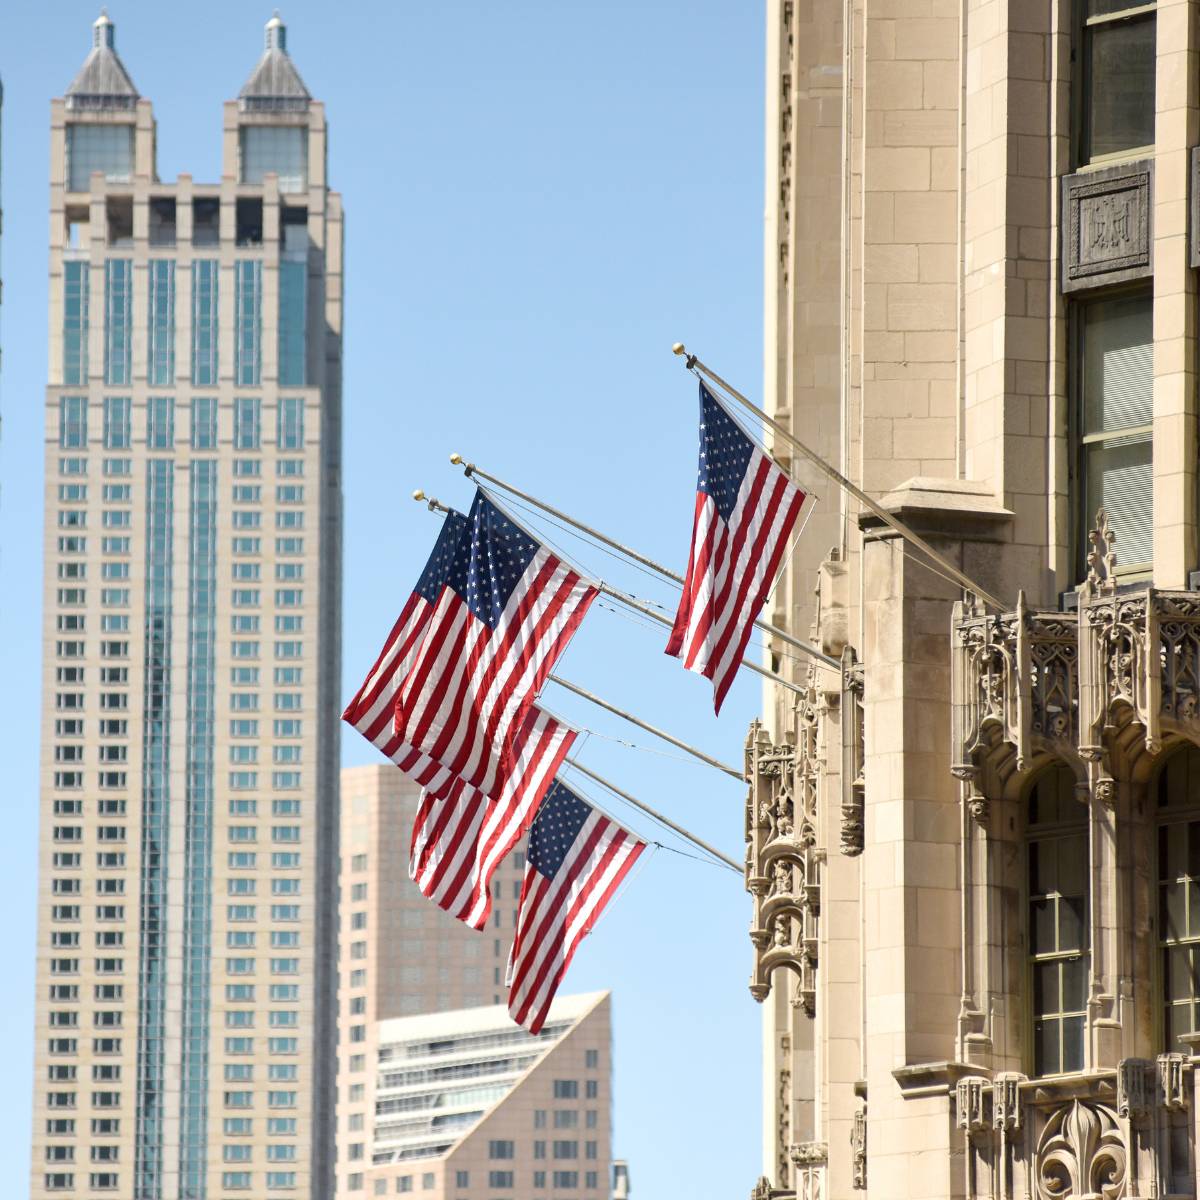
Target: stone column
[[911, 867]]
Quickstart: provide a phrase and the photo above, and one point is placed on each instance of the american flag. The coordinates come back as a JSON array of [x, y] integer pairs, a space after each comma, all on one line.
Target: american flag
[[576, 860], [460, 834], [507, 612], [746, 509]]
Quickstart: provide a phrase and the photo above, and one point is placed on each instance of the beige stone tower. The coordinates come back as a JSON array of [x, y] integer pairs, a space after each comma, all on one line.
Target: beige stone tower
[[975, 850], [188, 861]]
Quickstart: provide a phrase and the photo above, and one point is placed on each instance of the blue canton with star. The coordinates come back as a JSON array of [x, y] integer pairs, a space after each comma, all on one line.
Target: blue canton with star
[[492, 555], [725, 453], [559, 819], [437, 569]]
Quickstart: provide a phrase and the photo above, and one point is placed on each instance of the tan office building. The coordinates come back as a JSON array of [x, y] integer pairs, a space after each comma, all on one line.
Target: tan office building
[[400, 955], [973, 849], [185, 1042], [433, 1074]]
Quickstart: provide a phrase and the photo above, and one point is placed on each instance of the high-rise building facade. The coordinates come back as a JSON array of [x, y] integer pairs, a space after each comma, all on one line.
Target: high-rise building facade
[[186, 1023], [399, 954], [468, 1106], [974, 851]]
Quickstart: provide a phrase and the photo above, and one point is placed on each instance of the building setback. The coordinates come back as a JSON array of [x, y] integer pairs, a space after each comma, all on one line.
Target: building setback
[[974, 852], [186, 1022], [469, 1106]]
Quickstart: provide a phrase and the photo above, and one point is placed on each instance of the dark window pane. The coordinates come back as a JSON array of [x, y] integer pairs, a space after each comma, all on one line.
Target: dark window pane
[[1074, 984], [1070, 923], [1042, 926], [1072, 864], [1193, 848], [1172, 912], [1105, 8], [1045, 1042], [1121, 86], [1072, 1044], [1045, 988]]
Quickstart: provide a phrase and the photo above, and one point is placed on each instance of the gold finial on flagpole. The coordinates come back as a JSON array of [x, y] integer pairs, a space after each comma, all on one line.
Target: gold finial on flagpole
[[455, 459], [679, 348], [418, 495]]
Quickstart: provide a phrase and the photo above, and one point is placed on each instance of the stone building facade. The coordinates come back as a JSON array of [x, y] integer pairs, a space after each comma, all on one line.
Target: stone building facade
[[973, 852]]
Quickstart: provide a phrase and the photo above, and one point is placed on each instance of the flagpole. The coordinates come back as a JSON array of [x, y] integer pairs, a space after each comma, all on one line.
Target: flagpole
[[659, 733], [679, 829], [833, 473], [470, 469], [435, 505]]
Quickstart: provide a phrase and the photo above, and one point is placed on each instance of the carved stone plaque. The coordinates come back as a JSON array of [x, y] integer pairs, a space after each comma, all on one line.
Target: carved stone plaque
[[1106, 226]]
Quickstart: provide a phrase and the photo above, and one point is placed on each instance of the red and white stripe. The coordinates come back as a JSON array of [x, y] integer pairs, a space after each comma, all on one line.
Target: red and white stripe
[[460, 835], [470, 686], [731, 570], [555, 915], [371, 709]]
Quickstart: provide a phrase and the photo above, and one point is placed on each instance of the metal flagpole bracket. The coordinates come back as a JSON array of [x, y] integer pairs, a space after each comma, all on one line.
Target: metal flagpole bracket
[[431, 502]]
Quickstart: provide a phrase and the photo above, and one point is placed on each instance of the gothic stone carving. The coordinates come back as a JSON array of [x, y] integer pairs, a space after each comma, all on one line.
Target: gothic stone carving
[[1135, 1088], [972, 1094], [858, 1149], [1081, 1152], [783, 861], [1106, 222], [853, 755], [1014, 680]]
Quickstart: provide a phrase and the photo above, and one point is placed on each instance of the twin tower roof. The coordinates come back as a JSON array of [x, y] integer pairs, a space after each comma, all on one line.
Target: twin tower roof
[[103, 81]]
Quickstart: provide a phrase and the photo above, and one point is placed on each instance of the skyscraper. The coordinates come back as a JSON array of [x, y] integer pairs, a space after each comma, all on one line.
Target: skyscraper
[[189, 773]]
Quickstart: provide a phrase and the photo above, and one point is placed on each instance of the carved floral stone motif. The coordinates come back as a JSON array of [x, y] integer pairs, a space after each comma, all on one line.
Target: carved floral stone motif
[[1081, 1152]]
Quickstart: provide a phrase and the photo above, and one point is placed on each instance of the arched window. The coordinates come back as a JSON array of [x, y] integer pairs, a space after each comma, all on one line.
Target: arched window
[[1179, 894], [1057, 853]]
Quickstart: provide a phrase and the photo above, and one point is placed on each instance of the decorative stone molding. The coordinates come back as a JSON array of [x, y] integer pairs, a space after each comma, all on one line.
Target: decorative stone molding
[[972, 1097], [1030, 683], [808, 1154], [1136, 1078], [858, 1150], [853, 754], [782, 860], [1172, 1083], [1006, 1102], [1081, 1152], [1194, 209], [1014, 685], [764, 1190], [1106, 222]]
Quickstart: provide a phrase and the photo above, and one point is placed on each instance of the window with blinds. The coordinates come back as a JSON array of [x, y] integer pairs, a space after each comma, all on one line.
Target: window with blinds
[[1115, 424], [1118, 39]]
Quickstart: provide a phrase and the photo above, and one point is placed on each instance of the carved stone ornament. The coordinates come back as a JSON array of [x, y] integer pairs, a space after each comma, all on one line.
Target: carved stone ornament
[[1136, 1079], [1081, 1153], [971, 1095], [1014, 692], [853, 754], [1106, 221], [1172, 1087], [1033, 684], [858, 1150], [1006, 1101], [783, 861], [808, 1154]]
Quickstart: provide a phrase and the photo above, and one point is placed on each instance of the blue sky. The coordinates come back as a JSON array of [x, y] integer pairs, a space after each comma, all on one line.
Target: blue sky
[[540, 198]]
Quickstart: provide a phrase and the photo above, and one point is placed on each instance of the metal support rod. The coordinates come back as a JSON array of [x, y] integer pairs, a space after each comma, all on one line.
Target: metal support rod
[[435, 505], [655, 615], [886, 517], [470, 469], [659, 733], [679, 829]]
